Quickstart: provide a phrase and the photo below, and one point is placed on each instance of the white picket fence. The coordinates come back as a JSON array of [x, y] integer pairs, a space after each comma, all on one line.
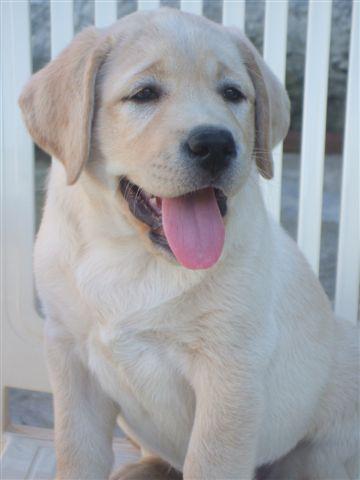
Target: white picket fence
[[22, 325]]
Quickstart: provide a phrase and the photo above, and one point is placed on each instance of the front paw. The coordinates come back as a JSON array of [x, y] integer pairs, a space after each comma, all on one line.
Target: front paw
[[150, 468]]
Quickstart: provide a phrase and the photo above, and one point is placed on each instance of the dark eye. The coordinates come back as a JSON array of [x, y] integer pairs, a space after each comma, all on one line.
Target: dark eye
[[146, 94], [232, 94]]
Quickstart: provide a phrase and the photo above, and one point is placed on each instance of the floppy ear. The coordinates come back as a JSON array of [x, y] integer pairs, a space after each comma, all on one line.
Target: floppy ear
[[58, 101], [272, 105]]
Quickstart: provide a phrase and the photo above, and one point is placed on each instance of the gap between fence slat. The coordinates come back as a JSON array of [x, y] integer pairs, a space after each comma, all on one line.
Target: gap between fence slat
[[275, 35], [105, 12], [313, 131], [348, 262]]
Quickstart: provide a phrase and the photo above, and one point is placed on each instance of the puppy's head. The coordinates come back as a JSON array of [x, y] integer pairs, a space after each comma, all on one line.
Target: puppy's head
[[174, 109]]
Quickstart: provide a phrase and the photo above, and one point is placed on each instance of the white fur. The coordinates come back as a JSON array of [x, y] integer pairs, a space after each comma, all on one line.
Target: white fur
[[217, 371], [257, 324]]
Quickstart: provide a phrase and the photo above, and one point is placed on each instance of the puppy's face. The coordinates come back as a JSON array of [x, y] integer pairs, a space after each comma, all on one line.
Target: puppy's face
[[182, 109], [176, 109]]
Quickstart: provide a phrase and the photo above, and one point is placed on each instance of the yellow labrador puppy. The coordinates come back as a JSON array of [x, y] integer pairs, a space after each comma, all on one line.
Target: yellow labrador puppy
[[172, 300]]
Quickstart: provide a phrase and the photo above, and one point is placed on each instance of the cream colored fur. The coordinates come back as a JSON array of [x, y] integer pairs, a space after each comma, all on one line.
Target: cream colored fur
[[216, 372]]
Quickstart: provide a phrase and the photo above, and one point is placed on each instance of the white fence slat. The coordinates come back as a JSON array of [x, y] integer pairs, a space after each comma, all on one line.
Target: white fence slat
[[148, 4], [18, 154], [234, 13], [348, 262], [62, 25], [105, 12], [313, 132], [191, 6], [275, 34], [23, 362]]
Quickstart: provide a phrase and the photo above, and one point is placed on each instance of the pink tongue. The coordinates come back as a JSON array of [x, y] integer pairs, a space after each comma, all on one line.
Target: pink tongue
[[194, 228]]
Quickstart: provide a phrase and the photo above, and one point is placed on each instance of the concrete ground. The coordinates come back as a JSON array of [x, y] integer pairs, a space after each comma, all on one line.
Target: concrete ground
[[30, 408]]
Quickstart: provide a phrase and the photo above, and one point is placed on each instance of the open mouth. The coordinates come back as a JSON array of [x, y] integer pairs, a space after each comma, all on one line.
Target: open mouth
[[189, 226]]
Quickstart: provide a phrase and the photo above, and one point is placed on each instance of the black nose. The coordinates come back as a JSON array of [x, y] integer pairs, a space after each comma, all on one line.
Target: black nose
[[212, 148]]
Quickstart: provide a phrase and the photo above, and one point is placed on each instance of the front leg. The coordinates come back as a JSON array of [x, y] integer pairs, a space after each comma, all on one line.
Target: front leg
[[84, 416], [227, 417]]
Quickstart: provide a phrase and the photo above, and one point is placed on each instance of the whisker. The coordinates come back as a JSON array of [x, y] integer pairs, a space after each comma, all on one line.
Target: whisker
[[126, 191], [139, 191]]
